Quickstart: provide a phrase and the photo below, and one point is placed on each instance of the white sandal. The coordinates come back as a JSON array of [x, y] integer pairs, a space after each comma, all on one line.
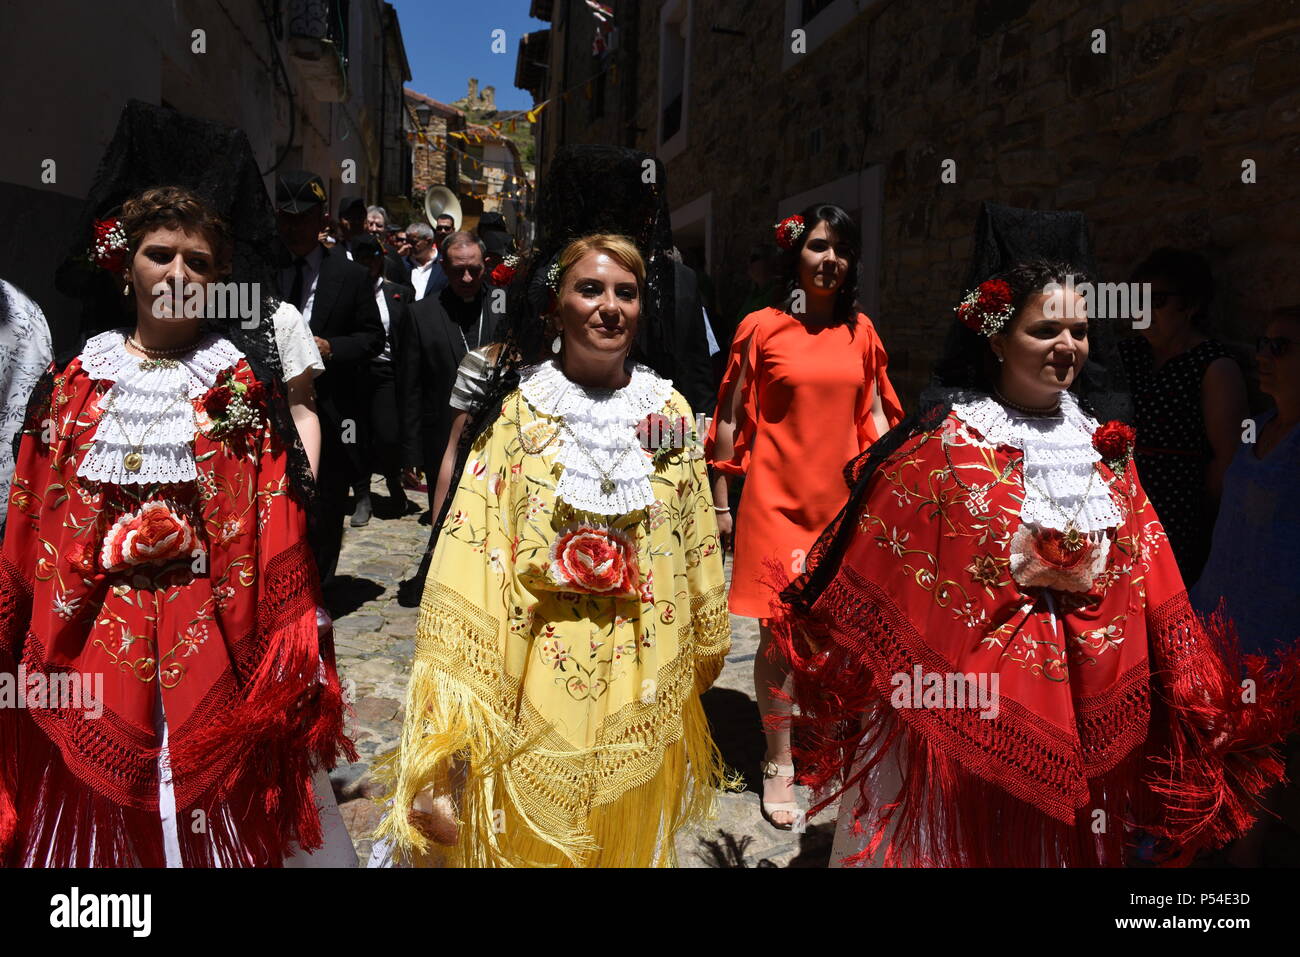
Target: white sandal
[[771, 770]]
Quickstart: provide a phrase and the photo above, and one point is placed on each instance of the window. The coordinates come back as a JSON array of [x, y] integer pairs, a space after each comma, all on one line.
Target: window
[[819, 19], [810, 9], [674, 76]]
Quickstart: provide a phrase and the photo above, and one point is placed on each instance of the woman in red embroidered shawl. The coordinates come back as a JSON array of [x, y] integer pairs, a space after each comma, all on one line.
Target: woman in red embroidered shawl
[[992, 644], [156, 556]]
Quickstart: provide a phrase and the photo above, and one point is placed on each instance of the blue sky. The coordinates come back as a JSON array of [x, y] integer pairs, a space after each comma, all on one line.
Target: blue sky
[[448, 41]]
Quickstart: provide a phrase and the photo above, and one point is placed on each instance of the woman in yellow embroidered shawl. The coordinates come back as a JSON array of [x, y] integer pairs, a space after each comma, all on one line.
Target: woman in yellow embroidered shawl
[[575, 607]]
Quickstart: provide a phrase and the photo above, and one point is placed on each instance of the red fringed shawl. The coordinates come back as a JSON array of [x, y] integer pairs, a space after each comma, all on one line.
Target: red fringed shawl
[[223, 637], [1120, 716]]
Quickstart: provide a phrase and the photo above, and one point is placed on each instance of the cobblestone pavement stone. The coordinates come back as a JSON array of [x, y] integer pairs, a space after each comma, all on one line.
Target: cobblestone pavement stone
[[374, 640]]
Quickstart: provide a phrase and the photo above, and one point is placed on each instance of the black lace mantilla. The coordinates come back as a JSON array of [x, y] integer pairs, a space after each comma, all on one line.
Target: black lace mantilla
[[154, 146]]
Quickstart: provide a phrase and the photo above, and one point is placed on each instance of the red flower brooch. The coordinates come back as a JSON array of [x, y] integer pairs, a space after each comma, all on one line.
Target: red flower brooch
[[1114, 442], [788, 231], [661, 436], [108, 250], [233, 406], [986, 308], [595, 560], [1048, 558], [153, 534]]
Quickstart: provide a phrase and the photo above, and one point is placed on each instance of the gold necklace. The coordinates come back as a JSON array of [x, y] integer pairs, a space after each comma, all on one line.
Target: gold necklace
[[607, 484], [519, 430], [133, 460], [978, 495]]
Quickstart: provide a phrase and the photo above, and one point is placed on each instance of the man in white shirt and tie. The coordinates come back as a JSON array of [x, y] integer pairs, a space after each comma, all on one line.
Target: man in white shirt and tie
[[427, 277]]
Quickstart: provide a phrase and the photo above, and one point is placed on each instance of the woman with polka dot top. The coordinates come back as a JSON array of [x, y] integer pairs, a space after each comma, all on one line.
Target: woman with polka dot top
[[1189, 400]]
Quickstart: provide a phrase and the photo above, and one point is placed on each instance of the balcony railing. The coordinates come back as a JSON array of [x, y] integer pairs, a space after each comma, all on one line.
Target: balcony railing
[[318, 42]]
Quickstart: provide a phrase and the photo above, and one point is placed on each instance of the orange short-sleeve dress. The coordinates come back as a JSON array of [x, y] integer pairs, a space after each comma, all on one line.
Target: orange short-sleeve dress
[[804, 413]]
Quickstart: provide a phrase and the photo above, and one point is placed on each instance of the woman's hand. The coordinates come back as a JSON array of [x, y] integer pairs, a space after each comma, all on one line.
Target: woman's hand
[[726, 529], [435, 818]]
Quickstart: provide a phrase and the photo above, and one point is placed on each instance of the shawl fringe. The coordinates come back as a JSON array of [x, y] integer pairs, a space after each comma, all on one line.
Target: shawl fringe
[[252, 762], [464, 749], [1193, 783]]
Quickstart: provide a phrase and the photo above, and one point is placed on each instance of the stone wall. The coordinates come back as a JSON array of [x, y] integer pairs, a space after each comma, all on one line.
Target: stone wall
[[430, 165], [1147, 139]]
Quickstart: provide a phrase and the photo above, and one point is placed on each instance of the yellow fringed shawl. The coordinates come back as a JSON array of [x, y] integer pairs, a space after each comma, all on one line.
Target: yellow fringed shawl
[[567, 727]]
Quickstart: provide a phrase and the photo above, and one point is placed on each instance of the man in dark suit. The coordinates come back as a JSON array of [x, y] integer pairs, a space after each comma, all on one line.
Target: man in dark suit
[[384, 451], [439, 331], [337, 300], [693, 374], [377, 226]]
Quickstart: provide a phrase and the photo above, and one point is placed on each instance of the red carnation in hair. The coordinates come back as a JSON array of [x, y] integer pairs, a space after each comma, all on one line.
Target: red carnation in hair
[[789, 230], [994, 295], [502, 275], [987, 307], [1114, 441]]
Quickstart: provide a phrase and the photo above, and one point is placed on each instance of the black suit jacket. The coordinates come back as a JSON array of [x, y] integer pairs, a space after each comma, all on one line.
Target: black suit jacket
[[395, 270], [400, 298], [428, 352], [692, 372], [344, 312]]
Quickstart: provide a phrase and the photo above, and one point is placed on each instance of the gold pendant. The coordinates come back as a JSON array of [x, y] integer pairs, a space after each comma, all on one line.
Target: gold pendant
[[606, 486], [1073, 540], [132, 461]]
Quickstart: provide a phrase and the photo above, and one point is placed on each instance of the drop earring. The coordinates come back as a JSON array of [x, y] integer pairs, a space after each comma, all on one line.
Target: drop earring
[[556, 343]]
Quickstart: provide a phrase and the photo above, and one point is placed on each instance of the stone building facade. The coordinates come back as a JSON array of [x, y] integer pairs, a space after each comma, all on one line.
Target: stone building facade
[[433, 163], [1149, 116], [317, 85]]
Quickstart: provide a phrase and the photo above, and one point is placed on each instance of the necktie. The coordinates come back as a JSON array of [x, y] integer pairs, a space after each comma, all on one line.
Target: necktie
[[295, 293]]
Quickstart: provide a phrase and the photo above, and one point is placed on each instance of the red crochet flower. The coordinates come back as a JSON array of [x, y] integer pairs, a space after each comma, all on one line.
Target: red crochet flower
[[1055, 549], [153, 534], [789, 230], [217, 401], [588, 558], [1114, 441]]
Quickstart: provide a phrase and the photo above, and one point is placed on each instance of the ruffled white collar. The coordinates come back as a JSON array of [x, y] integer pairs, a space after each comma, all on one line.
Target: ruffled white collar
[[1060, 475], [604, 469], [152, 408]]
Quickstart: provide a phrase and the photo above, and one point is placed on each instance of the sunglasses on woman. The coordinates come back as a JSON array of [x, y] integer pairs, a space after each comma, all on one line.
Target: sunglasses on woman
[[1275, 345]]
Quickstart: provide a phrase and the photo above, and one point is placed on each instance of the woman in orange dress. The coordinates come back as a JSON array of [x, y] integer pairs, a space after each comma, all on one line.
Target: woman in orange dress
[[804, 393]]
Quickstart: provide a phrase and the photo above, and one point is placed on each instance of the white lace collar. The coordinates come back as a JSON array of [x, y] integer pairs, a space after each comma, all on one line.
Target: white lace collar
[[152, 407], [604, 422], [1059, 461]]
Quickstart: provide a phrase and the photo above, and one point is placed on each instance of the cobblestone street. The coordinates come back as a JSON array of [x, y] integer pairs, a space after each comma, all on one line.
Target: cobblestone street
[[375, 639]]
